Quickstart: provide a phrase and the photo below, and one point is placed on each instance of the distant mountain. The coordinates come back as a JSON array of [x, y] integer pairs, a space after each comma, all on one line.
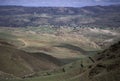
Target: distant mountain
[[100, 16]]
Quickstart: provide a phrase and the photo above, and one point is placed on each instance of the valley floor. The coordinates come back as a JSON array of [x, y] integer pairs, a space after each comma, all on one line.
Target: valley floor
[[65, 54]]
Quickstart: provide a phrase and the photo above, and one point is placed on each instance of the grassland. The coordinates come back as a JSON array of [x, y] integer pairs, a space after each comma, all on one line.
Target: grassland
[[50, 50], [62, 43], [37, 40], [103, 69]]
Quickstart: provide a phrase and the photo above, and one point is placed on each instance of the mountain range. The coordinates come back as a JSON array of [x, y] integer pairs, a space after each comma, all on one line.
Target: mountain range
[[90, 16]]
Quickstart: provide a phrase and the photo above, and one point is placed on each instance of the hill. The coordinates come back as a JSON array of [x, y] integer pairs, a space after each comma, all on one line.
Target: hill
[[104, 66], [91, 16], [20, 63]]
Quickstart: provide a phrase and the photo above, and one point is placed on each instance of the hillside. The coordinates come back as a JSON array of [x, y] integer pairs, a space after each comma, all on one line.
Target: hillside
[[59, 44], [104, 66], [91, 16], [19, 63]]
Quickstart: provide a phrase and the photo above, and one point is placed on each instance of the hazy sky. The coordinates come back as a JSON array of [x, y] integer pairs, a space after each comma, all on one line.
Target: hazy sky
[[69, 3]]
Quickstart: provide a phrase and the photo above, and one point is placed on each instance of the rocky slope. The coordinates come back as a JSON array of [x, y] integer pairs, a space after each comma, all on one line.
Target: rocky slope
[[105, 68]]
